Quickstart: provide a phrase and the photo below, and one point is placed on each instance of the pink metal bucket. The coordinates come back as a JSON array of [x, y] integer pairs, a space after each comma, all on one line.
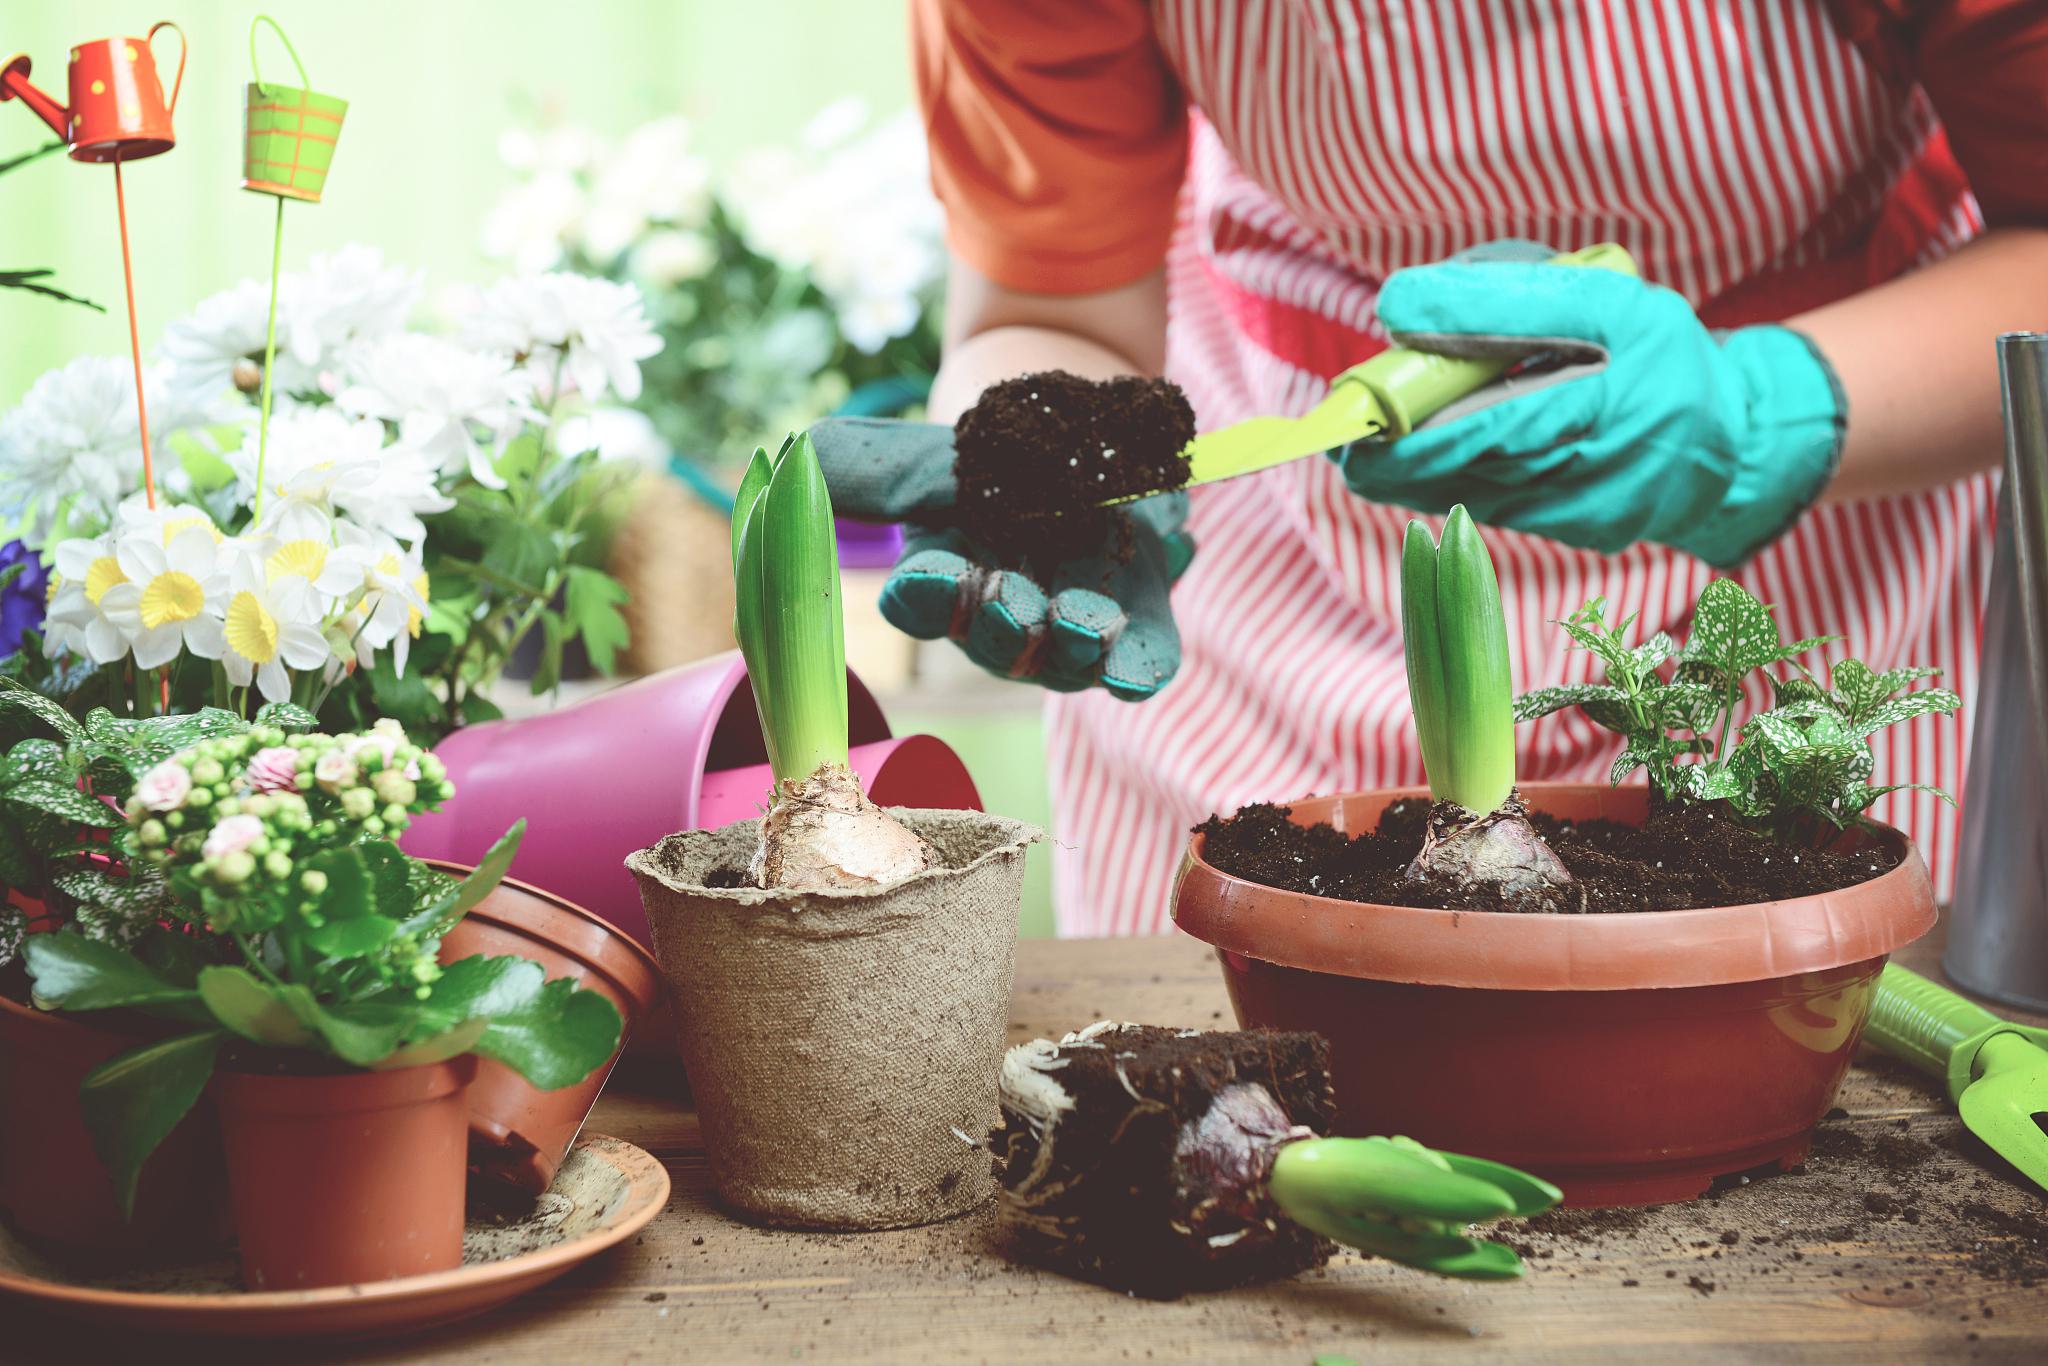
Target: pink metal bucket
[[677, 750]]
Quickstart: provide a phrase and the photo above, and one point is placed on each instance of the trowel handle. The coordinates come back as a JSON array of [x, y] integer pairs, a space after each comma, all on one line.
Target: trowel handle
[[1923, 1022], [1411, 385]]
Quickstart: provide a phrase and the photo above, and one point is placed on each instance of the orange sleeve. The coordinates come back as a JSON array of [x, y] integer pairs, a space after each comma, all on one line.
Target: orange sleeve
[[1058, 138], [1984, 65]]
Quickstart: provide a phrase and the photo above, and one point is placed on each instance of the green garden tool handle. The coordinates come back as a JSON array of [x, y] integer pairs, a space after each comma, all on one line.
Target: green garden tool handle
[[1931, 1027], [1394, 1198], [1411, 385]]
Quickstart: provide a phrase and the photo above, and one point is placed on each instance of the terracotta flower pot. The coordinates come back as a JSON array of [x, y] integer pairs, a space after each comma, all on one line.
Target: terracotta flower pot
[[843, 1046], [53, 1186], [1630, 1059], [345, 1179], [518, 1132]]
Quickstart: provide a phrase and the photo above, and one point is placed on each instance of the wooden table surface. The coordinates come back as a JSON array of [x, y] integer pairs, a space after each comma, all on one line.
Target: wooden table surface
[[1788, 1268]]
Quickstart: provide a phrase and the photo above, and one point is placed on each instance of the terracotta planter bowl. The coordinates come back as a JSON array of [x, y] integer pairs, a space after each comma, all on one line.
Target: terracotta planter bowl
[[355, 1177], [518, 1132], [1631, 1059], [53, 1187]]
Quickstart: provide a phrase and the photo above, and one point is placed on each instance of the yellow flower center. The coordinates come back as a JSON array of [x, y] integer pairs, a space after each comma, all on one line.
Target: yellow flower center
[[307, 558], [171, 597], [50, 589], [101, 575], [174, 525], [251, 630], [413, 620]]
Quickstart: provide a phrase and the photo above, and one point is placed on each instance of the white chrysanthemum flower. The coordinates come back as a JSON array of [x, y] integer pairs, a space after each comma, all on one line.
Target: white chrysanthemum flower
[[350, 296], [77, 623], [879, 250], [74, 436], [169, 599], [624, 434], [566, 149], [597, 329], [272, 625], [322, 462], [218, 346], [531, 221], [667, 258], [656, 171], [437, 393]]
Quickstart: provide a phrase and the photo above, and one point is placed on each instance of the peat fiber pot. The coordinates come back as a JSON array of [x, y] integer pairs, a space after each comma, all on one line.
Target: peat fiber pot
[[346, 1179], [53, 1187], [843, 1046], [1630, 1059], [519, 1133]]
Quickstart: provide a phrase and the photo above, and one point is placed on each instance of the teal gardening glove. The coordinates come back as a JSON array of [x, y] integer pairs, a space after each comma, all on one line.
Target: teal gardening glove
[[1106, 622], [1712, 443]]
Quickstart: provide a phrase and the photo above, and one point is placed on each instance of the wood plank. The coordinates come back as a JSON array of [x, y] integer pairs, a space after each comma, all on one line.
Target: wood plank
[[1833, 1283]]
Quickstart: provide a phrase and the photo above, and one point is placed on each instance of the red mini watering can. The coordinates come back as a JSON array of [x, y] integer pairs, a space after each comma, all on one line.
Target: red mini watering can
[[118, 111]]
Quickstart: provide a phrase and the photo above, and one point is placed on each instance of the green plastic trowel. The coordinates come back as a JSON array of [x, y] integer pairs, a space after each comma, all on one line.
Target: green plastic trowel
[[1996, 1071], [1385, 397]]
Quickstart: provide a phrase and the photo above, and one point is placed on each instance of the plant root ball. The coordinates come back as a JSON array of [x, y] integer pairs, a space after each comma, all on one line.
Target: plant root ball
[[823, 833], [1137, 1157]]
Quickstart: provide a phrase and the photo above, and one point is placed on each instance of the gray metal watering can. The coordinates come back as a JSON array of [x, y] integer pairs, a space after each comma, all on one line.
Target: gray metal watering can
[[1998, 937]]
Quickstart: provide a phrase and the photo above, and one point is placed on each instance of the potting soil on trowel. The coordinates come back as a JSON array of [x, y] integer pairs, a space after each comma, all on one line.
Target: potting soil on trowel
[[1036, 455]]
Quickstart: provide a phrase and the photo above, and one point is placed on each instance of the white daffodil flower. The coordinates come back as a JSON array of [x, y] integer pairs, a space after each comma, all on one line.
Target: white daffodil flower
[[77, 623], [272, 625], [169, 599]]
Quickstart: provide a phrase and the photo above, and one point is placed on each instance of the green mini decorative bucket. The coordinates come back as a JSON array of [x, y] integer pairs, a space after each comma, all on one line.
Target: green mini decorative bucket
[[291, 131]]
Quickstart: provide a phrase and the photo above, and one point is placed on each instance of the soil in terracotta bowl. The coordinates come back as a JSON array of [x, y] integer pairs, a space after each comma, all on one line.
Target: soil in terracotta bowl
[[1681, 858], [1036, 455]]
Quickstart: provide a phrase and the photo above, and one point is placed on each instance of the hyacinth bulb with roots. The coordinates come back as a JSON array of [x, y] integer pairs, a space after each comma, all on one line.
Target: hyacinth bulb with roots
[[1479, 851], [820, 832]]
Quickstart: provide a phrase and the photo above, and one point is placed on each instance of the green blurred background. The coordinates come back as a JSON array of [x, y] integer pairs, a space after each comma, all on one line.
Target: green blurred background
[[431, 86]]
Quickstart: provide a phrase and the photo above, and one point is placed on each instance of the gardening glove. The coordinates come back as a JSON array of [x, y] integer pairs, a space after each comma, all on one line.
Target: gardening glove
[[1106, 623], [1661, 430]]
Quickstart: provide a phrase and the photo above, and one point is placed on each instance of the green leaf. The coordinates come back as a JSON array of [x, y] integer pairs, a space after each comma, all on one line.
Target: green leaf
[[291, 719], [42, 794], [1422, 648], [547, 676], [36, 758], [361, 1033], [1732, 632], [481, 882], [1478, 691], [522, 554], [252, 1009], [1906, 708], [72, 972], [14, 697], [557, 1038], [350, 893], [481, 985], [451, 1043], [132, 1102], [357, 938], [592, 601], [1544, 701], [391, 874]]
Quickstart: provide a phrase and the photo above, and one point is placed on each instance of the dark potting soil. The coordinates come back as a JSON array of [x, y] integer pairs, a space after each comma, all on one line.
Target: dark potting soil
[[1118, 1188], [1037, 454], [1680, 859]]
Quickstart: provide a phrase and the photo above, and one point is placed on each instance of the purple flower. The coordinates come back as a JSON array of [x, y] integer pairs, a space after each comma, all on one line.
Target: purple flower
[[25, 598]]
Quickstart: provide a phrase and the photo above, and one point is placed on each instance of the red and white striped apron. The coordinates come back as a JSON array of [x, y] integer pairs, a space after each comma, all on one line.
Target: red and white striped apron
[[1744, 151]]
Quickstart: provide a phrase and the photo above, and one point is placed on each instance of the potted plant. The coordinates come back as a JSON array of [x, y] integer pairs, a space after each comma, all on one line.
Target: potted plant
[[841, 973], [308, 999], [61, 783], [1683, 1001]]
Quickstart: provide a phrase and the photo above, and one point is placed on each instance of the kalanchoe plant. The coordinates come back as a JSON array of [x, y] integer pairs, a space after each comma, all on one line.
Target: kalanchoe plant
[[1800, 770], [57, 778], [821, 830], [311, 941], [1479, 849]]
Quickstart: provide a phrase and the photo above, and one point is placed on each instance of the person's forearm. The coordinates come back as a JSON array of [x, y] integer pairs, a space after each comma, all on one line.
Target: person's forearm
[[1004, 352], [1918, 367], [994, 333]]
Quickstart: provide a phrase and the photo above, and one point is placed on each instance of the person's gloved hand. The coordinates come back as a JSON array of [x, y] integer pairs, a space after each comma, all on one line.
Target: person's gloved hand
[[1711, 443], [1105, 622]]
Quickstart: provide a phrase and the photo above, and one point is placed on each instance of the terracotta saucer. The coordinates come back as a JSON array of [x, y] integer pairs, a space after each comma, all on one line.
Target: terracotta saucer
[[606, 1191]]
